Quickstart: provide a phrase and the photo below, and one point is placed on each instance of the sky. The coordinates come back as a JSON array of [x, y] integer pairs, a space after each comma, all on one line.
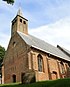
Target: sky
[[48, 20]]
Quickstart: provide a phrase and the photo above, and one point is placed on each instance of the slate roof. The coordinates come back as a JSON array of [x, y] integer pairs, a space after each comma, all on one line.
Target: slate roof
[[42, 45], [67, 52]]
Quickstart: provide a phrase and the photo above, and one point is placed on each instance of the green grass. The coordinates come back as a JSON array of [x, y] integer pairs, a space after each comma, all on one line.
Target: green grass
[[55, 83]]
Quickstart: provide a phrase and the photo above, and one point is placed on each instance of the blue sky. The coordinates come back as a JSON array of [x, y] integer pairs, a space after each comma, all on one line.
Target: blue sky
[[47, 19]]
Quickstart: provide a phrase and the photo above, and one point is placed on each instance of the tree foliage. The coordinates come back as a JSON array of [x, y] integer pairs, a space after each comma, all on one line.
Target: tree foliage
[[2, 53], [9, 1]]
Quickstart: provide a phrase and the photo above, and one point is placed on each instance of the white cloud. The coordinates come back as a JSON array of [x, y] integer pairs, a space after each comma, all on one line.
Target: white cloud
[[56, 33]]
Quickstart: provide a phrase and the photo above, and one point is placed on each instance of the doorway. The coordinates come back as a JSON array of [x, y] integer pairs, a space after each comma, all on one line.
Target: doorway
[[54, 75], [14, 78]]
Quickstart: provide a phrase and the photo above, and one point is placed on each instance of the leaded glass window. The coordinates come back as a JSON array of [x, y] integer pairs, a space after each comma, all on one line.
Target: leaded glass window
[[40, 63]]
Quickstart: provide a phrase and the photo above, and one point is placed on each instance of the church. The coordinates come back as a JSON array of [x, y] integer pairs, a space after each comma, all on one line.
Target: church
[[29, 59]]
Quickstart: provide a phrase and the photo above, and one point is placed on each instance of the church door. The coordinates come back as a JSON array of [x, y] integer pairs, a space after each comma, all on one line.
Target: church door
[[14, 78]]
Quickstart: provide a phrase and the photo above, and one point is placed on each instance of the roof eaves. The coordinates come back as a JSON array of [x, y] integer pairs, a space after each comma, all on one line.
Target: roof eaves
[[49, 53]]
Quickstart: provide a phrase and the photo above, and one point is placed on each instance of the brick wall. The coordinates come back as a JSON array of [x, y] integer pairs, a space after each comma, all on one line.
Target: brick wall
[[15, 61], [20, 58], [52, 67]]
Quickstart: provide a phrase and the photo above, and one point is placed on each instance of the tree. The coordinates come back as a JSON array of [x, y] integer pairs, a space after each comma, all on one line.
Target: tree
[[2, 53], [9, 1]]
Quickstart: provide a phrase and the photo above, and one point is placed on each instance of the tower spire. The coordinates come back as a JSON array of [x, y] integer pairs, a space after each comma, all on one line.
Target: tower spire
[[19, 23], [19, 12]]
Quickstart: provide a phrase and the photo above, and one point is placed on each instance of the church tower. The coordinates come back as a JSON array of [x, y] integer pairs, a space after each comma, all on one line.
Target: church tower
[[19, 23]]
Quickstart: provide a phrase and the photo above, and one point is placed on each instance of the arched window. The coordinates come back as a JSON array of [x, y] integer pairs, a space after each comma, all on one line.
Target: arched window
[[40, 63], [62, 67]]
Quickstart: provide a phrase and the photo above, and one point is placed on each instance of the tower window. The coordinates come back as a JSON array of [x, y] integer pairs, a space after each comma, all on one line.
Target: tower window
[[13, 23], [24, 22], [21, 20]]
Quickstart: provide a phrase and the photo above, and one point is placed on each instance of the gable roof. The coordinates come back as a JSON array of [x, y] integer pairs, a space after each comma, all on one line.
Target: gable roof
[[42, 45]]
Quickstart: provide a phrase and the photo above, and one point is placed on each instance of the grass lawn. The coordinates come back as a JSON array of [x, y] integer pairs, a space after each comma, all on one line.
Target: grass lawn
[[55, 83]]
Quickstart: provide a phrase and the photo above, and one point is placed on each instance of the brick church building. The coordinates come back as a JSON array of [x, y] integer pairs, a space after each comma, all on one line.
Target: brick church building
[[30, 59]]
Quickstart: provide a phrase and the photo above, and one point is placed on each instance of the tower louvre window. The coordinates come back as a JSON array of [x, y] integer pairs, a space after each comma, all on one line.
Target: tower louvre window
[[21, 20], [24, 22], [13, 23]]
